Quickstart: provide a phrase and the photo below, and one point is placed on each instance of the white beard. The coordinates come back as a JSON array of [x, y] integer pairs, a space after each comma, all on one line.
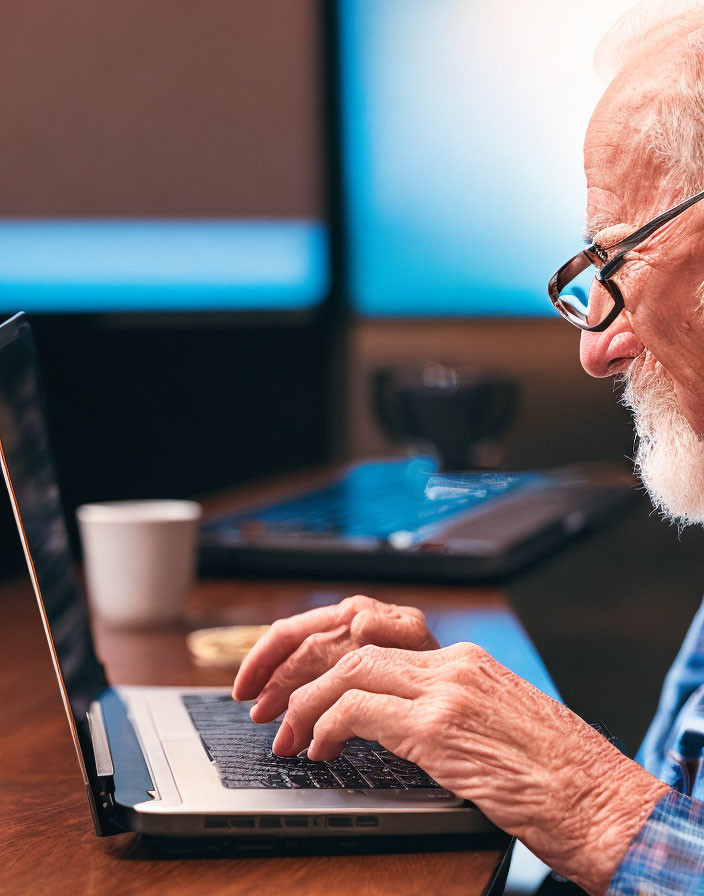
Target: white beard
[[670, 455]]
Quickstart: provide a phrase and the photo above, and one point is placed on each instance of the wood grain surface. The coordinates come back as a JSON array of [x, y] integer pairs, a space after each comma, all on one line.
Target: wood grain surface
[[47, 845]]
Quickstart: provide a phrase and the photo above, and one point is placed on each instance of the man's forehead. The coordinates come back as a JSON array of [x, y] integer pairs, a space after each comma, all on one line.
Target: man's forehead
[[623, 178], [603, 211], [609, 152]]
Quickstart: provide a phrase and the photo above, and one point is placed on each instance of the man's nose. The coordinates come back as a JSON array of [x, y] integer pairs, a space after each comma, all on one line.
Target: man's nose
[[610, 352]]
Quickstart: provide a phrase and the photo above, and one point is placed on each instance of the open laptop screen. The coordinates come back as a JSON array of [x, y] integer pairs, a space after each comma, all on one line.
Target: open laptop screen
[[29, 471]]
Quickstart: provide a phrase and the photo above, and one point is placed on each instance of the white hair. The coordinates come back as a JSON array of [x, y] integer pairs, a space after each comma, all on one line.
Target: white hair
[[669, 455], [673, 131], [639, 30]]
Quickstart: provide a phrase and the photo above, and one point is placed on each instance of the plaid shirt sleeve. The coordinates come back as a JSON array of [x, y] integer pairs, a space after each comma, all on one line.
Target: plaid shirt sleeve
[[666, 858], [686, 676]]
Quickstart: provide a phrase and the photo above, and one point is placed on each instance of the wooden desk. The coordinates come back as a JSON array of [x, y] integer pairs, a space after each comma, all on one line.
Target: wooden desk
[[47, 845]]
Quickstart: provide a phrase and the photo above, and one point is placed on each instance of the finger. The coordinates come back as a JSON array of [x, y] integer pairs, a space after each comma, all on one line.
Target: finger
[[286, 636], [394, 628], [379, 717], [318, 653], [283, 638], [411, 611], [374, 669]]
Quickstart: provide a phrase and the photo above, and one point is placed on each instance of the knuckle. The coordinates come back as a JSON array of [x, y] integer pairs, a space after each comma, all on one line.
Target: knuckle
[[417, 630], [322, 727], [297, 700], [278, 627], [375, 626], [311, 648], [367, 652], [358, 602], [363, 624], [371, 655], [350, 700], [468, 650], [350, 662]]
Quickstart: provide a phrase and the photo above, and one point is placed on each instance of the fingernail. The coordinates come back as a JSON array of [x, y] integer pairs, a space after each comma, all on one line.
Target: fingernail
[[283, 740]]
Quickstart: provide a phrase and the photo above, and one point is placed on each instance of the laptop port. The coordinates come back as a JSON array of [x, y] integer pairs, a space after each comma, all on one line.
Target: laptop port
[[242, 821], [269, 821], [367, 821], [339, 821], [215, 822], [296, 821]]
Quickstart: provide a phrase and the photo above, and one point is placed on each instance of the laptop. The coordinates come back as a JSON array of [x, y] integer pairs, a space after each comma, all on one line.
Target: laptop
[[406, 520], [186, 762]]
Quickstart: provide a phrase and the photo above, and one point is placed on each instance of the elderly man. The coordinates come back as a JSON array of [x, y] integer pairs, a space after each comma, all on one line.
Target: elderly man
[[374, 671]]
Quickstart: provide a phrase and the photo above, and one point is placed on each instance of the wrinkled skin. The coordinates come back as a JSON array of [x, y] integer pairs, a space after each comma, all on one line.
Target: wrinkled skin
[[533, 767], [296, 650], [625, 189]]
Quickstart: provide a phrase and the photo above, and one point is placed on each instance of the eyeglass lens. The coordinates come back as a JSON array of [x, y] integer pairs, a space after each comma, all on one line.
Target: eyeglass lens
[[584, 301]]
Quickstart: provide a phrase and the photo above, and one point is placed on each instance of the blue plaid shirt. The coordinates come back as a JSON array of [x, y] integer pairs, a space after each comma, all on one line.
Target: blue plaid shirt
[[666, 858]]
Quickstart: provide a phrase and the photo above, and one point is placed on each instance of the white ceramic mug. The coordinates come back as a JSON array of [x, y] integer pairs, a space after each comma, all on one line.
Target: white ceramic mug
[[139, 558]]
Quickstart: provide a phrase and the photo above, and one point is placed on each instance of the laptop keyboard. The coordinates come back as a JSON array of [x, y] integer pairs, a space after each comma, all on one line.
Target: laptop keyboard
[[377, 499], [241, 751]]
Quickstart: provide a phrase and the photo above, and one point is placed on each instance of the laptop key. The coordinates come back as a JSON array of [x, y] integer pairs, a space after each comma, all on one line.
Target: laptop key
[[413, 781], [241, 752], [297, 778], [323, 778], [380, 780], [350, 778]]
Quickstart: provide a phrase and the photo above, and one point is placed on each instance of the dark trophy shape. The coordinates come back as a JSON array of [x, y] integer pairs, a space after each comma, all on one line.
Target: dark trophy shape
[[460, 411]]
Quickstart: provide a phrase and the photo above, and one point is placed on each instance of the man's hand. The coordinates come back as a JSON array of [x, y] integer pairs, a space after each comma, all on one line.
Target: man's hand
[[531, 765], [297, 650]]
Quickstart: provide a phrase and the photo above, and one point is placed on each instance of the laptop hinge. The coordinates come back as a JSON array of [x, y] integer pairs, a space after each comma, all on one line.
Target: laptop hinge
[[104, 767], [101, 788]]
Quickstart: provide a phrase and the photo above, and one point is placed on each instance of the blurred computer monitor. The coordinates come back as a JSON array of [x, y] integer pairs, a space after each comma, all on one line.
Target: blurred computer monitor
[[179, 171], [462, 124], [90, 266]]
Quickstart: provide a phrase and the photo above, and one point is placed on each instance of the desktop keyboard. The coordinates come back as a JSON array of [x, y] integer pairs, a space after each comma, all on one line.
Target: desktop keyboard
[[241, 751]]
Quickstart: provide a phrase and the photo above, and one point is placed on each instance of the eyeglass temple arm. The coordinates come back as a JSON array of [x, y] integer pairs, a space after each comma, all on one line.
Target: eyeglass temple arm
[[630, 242]]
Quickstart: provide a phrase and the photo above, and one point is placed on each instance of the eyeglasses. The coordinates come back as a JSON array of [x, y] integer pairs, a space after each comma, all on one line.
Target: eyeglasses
[[570, 289]]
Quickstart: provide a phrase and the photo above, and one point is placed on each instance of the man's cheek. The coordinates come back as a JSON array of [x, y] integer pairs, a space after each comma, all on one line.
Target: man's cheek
[[674, 344], [639, 284], [655, 315]]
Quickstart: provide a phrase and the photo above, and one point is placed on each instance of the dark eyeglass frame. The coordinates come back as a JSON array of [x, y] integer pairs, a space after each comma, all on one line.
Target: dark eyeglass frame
[[605, 268]]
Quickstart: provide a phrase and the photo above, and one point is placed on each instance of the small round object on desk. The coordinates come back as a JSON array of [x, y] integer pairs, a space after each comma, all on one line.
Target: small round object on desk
[[225, 646]]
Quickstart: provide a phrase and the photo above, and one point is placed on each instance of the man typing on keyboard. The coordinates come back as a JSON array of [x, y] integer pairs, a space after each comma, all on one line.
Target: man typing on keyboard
[[368, 670]]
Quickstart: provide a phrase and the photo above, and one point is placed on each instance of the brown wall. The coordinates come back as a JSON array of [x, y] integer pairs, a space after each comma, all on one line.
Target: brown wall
[[564, 416], [167, 108], [159, 107]]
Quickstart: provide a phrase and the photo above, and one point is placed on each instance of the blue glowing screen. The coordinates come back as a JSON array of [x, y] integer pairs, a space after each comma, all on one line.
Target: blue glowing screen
[[58, 265], [462, 128]]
